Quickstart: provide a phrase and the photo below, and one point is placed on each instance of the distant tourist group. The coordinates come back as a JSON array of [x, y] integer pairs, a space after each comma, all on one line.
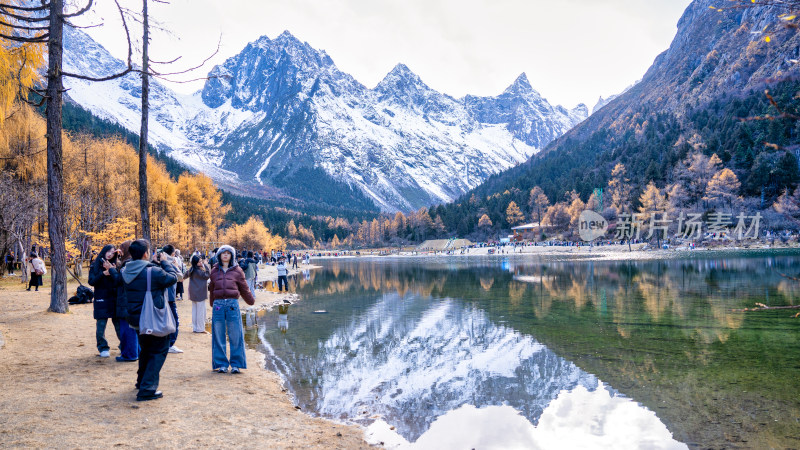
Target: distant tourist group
[[134, 285]]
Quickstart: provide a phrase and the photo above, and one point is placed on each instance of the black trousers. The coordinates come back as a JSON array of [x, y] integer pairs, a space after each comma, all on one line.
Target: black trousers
[[283, 282], [151, 360]]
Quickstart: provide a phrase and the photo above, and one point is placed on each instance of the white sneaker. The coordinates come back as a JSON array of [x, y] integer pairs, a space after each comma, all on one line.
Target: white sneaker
[[174, 349], [105, 354]]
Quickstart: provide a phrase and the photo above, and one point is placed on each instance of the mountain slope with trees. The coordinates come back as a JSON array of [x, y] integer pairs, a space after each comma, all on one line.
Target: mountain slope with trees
[[702, 102]]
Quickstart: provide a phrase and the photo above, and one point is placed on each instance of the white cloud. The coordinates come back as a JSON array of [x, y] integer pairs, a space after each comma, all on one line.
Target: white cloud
[[572, 50]]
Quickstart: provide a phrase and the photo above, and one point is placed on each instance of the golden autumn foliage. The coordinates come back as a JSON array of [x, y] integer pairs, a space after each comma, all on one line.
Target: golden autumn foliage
[[116, 232], [100, 190], [252, 234], [513, 214], [19, 67]]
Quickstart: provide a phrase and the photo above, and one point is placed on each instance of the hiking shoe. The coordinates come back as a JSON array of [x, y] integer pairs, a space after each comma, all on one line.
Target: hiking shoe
[[174, 349], [121, 359], [154, 396], [235, 370], [221, 370], [104, 354]]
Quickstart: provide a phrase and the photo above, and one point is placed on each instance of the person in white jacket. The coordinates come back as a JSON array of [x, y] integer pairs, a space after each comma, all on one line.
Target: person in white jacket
[[37, 270], [283, 272]]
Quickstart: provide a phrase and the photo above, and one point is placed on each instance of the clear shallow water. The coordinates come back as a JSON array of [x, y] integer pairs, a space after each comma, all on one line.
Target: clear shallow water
[[503, 352]]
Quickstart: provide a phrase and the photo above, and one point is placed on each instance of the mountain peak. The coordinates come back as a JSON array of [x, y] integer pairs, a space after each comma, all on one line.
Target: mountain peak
[[286, 36], [401, 79], [521, 84], [403, 72]]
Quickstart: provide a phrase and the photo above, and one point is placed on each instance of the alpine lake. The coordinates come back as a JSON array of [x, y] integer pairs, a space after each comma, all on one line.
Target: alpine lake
[[546, 352]]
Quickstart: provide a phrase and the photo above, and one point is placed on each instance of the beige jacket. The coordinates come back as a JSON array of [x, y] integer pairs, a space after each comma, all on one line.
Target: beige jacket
[[36, 264]]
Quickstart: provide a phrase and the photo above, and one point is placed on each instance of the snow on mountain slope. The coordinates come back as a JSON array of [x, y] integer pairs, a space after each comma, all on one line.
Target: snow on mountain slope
[[448, 355], [280, 106]]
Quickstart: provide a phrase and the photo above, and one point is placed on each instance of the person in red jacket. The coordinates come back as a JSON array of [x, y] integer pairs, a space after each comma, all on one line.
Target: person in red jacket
[[226, 284]]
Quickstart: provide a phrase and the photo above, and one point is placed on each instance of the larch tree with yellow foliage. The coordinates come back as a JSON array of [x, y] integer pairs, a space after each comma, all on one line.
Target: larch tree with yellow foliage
[[722, 189], [620, 189], [485, 222], [513, 214], [29, 24], [252, 235], [652, 200]]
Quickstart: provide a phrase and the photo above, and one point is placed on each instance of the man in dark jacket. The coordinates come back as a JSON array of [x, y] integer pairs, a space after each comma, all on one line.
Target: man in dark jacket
[[153, 348]]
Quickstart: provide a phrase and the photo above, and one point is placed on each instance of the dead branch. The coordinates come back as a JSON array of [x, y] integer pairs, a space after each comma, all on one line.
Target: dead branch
[[43, 7], [127, 70], [165, 62], [767, 308], [80, 11], [788, 277], [23, 18], [27, 40], [219, 44], [22, 27], [82, 27], [26, 155]]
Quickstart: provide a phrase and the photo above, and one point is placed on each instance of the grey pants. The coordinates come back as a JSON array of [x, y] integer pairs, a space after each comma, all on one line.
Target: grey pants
[[102, 343]]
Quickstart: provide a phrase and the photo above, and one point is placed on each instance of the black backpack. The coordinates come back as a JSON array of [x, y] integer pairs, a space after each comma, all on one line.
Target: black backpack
[[84, 295], [244, 264]]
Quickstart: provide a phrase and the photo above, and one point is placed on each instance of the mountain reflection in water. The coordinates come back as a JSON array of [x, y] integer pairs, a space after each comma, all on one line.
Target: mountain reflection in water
[[414, 343], [410, 369]]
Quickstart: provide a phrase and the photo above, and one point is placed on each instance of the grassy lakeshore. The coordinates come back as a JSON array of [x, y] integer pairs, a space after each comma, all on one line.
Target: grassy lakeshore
[[59, 393]]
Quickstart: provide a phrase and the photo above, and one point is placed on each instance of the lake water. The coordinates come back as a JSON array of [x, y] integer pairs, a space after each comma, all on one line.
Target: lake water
[[504, 352]]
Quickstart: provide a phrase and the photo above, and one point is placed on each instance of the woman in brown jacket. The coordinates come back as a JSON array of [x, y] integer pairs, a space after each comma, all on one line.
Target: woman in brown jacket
[[226, 284]]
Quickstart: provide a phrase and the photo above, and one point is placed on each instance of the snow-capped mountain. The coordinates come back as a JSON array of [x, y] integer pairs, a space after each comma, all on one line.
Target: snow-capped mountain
[[281, 114], [436, 357]]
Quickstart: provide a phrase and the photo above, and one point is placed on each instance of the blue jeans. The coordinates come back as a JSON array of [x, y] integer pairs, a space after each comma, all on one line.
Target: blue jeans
[[129, 341], [226, 319]]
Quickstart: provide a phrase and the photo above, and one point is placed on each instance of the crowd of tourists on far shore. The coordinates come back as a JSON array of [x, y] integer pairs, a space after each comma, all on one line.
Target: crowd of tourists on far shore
[[134, 282]]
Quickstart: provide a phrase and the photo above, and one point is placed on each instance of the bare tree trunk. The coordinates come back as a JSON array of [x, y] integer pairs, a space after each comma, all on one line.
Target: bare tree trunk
[[55, 167], [21, 260], [143, 200]]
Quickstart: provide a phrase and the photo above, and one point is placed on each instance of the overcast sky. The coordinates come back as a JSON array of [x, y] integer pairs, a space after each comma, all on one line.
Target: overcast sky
[[572, 50]]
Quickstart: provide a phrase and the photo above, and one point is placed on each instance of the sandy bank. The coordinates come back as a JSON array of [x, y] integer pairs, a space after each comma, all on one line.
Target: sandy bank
[[58, 393]]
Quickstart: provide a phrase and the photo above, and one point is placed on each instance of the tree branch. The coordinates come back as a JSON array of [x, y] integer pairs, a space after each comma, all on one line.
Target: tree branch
[[219, 43], [7, 158], [127, 70], [188, 81], [25, 8], [80, 11], [106, 78], [32, 40], [82, 27], [767, 308], [165, 62], [787, 276], [23, 18], [22, 27]]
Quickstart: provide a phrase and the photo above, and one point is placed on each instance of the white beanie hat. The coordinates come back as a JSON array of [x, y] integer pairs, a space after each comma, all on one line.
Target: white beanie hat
[[227, 248]]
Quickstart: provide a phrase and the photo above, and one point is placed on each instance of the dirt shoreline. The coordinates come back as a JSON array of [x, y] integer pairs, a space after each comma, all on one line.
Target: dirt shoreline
[[604, 252], [59, 393]]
